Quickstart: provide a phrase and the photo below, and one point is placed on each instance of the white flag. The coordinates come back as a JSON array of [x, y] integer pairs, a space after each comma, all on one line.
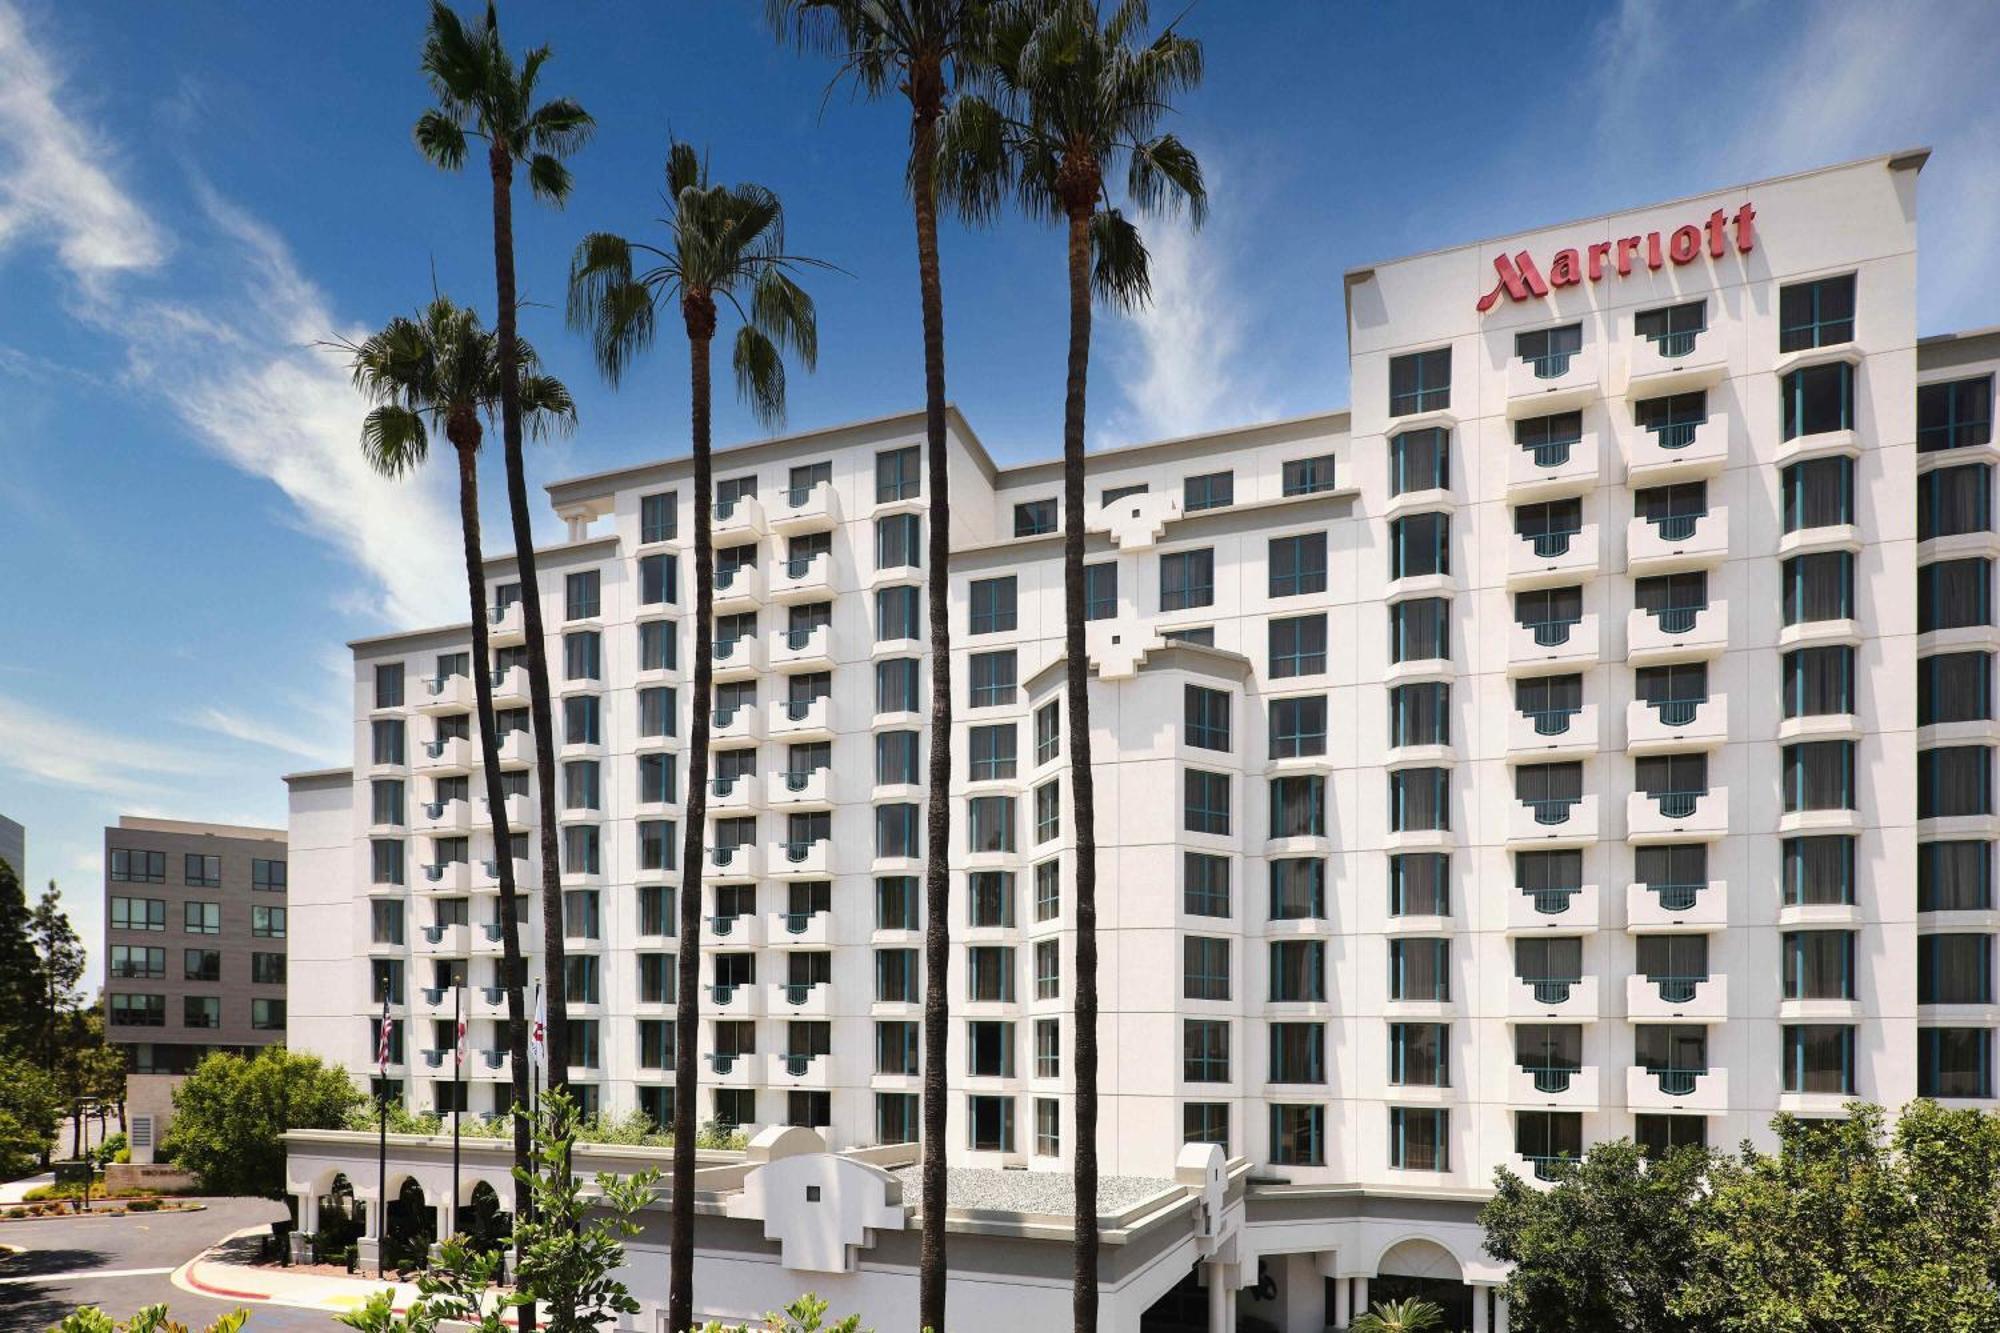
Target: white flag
[[538, 1031]]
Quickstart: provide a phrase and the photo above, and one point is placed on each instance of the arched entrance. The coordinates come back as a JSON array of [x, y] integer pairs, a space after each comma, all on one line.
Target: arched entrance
[[484, 1223], [409, 1227], [342, 1220], [1419, 1269]]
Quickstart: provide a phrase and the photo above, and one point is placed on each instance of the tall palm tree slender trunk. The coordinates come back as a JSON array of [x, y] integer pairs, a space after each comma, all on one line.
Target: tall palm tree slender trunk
[[926, 94], [699, 313], [1083, 792], [556, 1039], [496, 796]]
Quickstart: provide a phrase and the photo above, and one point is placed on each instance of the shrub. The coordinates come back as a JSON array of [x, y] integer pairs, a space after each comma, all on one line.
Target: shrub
[[231, 1114]]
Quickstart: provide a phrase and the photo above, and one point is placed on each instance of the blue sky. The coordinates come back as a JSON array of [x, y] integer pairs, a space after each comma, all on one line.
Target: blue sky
[[191, 196]]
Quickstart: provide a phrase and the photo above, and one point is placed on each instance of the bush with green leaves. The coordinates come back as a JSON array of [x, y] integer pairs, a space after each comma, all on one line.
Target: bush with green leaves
[[151, 1319], [231, 1113], [1411, 1316], [807, 1314], [29, 1110]]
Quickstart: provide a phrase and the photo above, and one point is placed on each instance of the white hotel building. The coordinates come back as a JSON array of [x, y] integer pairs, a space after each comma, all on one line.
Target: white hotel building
[[1547, 748]]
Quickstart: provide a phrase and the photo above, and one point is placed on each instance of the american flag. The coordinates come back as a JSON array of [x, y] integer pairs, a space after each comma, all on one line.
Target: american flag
[[382, 1042], [538, 1031]]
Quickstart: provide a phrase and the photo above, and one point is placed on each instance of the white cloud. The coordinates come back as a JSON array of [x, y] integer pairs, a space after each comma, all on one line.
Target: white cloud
[[271, 736], [49, 748]]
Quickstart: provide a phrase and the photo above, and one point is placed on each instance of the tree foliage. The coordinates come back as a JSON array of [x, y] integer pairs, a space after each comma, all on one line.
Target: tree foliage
[[151, 1319], [1411, 1316], [231, 1113], [29, 1112], [574, 1243]]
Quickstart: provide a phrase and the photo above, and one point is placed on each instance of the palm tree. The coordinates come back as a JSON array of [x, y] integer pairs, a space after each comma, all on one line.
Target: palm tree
[[1073, 93], [724, 244], [1411, 1316], [482, 94], [439, 372], [918, 48]]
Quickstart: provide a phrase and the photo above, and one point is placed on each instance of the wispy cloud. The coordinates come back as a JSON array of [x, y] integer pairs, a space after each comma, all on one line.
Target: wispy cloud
[[47, 747], [269, 735]]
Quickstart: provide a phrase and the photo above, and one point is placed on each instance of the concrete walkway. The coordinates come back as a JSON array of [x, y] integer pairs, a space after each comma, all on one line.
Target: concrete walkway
[[215, 1273], [14, 1190]]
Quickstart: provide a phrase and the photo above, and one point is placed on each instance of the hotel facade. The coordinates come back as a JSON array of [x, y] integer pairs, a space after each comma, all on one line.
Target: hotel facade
[[1586, 734]]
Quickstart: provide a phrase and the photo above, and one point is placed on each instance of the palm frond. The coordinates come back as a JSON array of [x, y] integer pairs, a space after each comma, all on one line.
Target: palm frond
[[975, 169], [548, 178], [1121, 270], [1163, 177], [760, 376], [781, 310], [685, 169], [441, 139], [559, 127], [546, 406], [606, 301], [394, 440]]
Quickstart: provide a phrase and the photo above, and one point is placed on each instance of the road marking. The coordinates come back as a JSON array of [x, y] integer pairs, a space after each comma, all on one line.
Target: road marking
[[84, 1272]]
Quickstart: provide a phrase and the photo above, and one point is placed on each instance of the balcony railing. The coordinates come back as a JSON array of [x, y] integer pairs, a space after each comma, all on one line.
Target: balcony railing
[[1677, 712], [1676, 990], [1677, 619], [725, 649], [1555, 542], [798, 566], [797, 923], [722, 1062], [723, 993], [1677, 897], [725, 856], [1676, 527], [1675, 434], [1551, 990], [1552, 633], [1550, 453], [493, 1059], [1551, 1078], [1677, 804], [797, 1065], [1550, 902], [799, 781], [1674, 1080], [1550, 721], [1551, 809], [797, 639], [798, 992], [723, 925], [798, 850], [1550, 365], [722, 786]]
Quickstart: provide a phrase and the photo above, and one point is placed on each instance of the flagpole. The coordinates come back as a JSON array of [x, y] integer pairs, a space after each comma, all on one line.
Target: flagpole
[[382, 1142], [457, 1088]]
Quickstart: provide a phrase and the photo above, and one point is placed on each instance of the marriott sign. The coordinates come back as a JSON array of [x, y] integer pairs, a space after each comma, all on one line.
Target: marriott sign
[[1520, 279]]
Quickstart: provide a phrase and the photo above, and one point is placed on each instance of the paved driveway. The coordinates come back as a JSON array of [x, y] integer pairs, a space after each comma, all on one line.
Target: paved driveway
[[122, 1263]]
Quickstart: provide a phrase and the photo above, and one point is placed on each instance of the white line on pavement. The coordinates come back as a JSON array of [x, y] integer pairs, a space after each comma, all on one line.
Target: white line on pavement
[[86, 1272]]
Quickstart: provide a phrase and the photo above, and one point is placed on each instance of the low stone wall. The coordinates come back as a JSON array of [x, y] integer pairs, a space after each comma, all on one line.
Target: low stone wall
[[146, 1176]]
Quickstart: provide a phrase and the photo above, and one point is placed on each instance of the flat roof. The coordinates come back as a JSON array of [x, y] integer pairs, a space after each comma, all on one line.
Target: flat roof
[[1053, 1193], [144, 824]]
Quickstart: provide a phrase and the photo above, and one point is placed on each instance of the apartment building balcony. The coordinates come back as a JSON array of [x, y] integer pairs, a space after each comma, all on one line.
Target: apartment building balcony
[[736, 1001], [1564, 467], [739, 795], [490, 1066], [890, 576], [1825, 537], [1820, 444], [1668, 908], [744, 722], [486, 876], [807, 859], [1676, 815], [802, 579], [1553, 823], [510, 687], [489, 1002], [799, 930], [1834, 1010], [1674, 452], [1676, 363], [799, 1071], [1684, 541], [452, 941], [1572, 999], [791, 999], [1676, 724], [738, 521], [1704, 1091], [1545, 645], [1541, 734], [517, 748], [1540, 387], [1692, 999], [730, 1070], [446, 877], [738, 658], [488, 940], [740, 862], [741, 930], [1558, 557], [457, 754], [1552, 911], [518, 809], [443, 817], [446, 694], [1554, 1089], [1676, 634], [789, 790], [435, 1002], [802, 649], [506, 625], [802, 720], [814, 508]]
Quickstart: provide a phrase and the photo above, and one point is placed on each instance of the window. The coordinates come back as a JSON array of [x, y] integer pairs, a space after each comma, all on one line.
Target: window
[[1205, 1050], [1952, 781], [1420, 969], [204, 918], [898, 474], [1549, 439], [1048, 812], [387, 861], [1298, 646], [1298, 1135], [1672, 328], [1298, 564], [991, 1121], [130, 962], [267, 969], [1298, 889], [1955, 1062], [386, 803], [896, 902], [895, 758], [899, 542], [993, 605], [1298, 806], [1818, 493], [1419, 1138], [1817, 399], [1420, 382], [896, 1117], [201, 1011], [990, 824], [201, 872], [387, 735], [1048, 731], [1200, 634], [659, 517], [1675, 510], [990, 973], [896, 685], [581, 597], [896, 976], [656, 779], [1187, 579], [1954, 687], [1211, 490], [1205, 968], [993, 679], [804, 477], [581, 713], [267, 876], [385, 922], [1819, 682], [1954, 594], [1420, 884], [1819, 1057], [1819, 964], [1954, 415], [1819, 870], [1419, 545], [656, 845], [1549, 351], [1658, 1135], [1551, 613], [1419, 1055], [896, 831], [1204, 884], [1298, 971], [1048, 971], [658, 646], [1307, 476], [992, 752], [898, 614], [1298, 727], [580, 850], [1674, 419], [1048, 890], [1816, 314], [1034, 518], [1952, 876], [129, 867], [1954, 501], [138, 1011], [1113, 494], [1206, 805], [581, 788], [1820, 586], [138, 914], [1048, 1127], [1549, 527], [1100, 591], [989, 1049], [1420, 460], [1675, 782], [657, 711], [1419, 798], [1420, 714], [1420, 630], [1207, 718], [389, 685]]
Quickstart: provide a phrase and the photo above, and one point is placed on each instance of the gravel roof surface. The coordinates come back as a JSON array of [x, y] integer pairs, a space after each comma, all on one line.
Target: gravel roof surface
[[1030, 1191]]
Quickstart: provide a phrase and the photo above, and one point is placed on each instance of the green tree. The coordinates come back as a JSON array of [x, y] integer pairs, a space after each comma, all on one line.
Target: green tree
[[1072, 93], [482, 94], [30, 1108], [724, 244], [1412, 1316], [231, 1113], [19, 975], [807, 1314], [1852, 1226], [918, 48], [58, 967], [1606, 1247], [573, 1245], [152, 1319]]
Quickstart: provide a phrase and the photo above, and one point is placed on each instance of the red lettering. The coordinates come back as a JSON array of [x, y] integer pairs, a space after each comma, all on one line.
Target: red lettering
[[1625, 248], [1653, 259], [1519, 283], [1597, 256], [1715, 224], [1563, 271], [1685, 245], [1746, 229], [1518, 279]]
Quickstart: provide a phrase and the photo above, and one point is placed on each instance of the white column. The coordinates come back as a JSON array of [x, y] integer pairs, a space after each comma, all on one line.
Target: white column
[[1499, 1313], [1305, 1295], [1360, 1298], [1221, 1299], [1479, 1293], [1342, 1314]]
